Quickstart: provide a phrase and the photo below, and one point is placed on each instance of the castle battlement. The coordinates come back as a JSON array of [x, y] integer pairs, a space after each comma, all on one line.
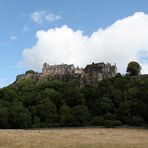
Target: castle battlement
[[62, 69], [92, 74]]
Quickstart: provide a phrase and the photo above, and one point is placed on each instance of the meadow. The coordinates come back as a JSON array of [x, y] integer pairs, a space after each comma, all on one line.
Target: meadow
[[75, 138]]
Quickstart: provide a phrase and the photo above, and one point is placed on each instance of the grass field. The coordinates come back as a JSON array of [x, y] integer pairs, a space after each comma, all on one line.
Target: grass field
[[75, 138]]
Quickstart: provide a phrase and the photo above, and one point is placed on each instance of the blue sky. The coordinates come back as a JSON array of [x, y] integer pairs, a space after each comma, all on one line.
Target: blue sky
[[22, 19]]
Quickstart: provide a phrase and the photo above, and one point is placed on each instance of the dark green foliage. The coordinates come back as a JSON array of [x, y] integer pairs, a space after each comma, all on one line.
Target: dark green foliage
[[72, 95], [80, 115], [112, 123], [4, 116], [133, 68], [65, 116], [46, 112], [30, 71], [104, 105], [97, 121], [122, 100], [19, 117]]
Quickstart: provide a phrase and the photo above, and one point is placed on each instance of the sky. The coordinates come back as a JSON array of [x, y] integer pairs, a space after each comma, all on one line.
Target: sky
[[75, 32]]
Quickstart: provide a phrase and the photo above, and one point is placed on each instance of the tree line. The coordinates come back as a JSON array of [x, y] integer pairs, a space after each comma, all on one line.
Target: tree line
[[122, 100]]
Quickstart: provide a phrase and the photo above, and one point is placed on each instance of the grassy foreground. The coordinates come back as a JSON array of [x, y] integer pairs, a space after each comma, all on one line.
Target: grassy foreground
[[75, 138]]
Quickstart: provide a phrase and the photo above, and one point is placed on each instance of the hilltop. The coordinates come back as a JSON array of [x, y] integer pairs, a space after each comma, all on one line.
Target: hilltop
[[31, 103], [92, 74], [121, 100]]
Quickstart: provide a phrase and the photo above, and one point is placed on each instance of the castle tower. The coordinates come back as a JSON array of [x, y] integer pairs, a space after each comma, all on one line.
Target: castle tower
[[45, 68]]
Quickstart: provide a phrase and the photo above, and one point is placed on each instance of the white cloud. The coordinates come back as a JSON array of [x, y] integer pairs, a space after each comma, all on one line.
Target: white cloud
[[121, 42], [44, 16], [13, 37]]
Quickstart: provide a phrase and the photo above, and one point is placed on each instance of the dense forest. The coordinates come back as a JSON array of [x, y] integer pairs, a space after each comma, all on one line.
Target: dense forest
[[122, 100]]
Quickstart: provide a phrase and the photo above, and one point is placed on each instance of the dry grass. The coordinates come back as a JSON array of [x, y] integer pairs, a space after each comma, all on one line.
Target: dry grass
[[74, 138]]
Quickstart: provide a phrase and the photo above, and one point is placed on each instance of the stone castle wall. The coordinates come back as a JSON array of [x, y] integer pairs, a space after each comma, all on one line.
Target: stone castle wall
[[62, 69], [92, 74], [97, 72]]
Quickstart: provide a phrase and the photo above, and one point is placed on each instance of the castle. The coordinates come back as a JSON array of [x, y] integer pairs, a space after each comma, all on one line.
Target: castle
[[92, 74]]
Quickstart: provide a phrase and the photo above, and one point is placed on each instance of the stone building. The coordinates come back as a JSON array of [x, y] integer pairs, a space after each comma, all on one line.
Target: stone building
[[62, 69], [92, 74], [96, 72]]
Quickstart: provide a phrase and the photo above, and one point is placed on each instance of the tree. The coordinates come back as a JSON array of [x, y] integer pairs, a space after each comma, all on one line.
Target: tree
[[65, 116], [133, 68], [46, 111], [4, 115], [19, 117], [53, 95], [30, 71], [80, 115], [97, 121], [104, 105], [72, 95]]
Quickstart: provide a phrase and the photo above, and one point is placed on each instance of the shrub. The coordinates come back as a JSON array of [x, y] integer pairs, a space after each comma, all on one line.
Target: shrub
[[98, 120]]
